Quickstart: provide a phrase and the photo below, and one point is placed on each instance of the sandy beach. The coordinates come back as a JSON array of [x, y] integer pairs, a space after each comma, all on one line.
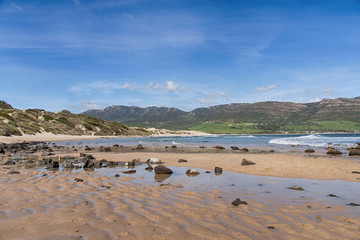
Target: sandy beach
[[95, 204]]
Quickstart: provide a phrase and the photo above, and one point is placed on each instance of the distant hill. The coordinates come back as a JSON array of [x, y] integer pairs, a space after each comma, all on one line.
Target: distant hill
[[260, 117], [31, 121]]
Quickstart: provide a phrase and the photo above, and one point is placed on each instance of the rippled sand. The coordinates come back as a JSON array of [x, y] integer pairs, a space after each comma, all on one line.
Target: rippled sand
[[54, 206]]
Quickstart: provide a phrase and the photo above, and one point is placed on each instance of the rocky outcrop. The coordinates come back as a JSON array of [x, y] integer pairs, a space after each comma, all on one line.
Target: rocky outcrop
[[161, 169]]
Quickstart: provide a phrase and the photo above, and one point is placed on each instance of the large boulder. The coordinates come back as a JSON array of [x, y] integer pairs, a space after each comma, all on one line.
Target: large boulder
[[154, 161], [89, 163], [333, 151], [68, 164], [192, 172], [161, 169], [354, 151]]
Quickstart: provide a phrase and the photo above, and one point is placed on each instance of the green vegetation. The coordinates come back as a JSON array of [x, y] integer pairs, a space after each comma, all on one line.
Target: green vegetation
[[218, 127], [31, 121], [324, 126]]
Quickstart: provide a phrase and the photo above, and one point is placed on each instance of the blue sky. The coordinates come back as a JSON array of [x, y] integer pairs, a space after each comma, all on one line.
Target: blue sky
[[79, 55]]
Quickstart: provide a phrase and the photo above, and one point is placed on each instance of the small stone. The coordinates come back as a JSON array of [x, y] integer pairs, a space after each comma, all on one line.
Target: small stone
[[309, 150], [333, 152], [238, 201], [219, 147], [182, 160], [79, 180], [247, 162], [332, 195], [105, 186], [235, 148], [353, 204], [218, 170], [207, 172], [117, 175], [10, 162], [271, 227], [161, 169], [154, 161], [14, 172], [356, 172], [129, 172], [244, 150], [192, 172], [297, 188]]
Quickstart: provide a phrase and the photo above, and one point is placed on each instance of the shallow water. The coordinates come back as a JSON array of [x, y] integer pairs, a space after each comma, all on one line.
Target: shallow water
[[340, 141], [247, 187]]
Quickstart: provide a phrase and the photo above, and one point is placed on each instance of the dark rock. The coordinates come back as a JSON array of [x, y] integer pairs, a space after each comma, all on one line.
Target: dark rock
[[192, 172], [173, 146], [88, 149], [272, 151], [219, 147], [238, 201], [354, 151], [89, 163], [332, 195], [105, 186], [67, 158], [139, 147], [235, 148], [202, 147], [207, 172], [83, 154], [10, 162], [356, 172], [218, 170], [271, 227], [116, 145], [161, 169], [129, 172], [297, 188], [53, 164], [117, 175], [247, 162], [79, 180], [309, 150], [244, 150], [182, 160], [333, 152], [2, 151], [14, 172], [353, 204]]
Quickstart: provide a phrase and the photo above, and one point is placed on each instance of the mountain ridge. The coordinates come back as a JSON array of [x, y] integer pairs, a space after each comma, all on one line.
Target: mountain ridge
[[263, 113]]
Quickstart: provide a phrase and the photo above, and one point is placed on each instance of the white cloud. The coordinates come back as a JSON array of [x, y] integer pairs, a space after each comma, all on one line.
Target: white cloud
[[265, 89], [87, 105], [171, 86], [103, 86], [129, 86], [314, 100]]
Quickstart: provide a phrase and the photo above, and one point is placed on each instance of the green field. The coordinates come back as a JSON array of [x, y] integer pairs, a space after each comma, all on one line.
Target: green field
[[217, 127], [324, 126], [222, 127]]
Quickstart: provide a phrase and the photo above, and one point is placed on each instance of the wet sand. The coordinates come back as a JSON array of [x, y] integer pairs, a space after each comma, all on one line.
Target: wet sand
[[55, 206]]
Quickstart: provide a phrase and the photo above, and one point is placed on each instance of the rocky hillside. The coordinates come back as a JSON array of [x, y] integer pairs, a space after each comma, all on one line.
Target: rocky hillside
[[263, 113], [31, 121]]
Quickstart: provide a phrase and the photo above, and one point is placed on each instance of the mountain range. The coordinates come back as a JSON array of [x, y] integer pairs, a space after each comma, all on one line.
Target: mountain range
[[340, 114]]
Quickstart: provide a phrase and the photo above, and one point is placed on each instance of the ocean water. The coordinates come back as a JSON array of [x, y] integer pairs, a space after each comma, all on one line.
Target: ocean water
[[339, 141]]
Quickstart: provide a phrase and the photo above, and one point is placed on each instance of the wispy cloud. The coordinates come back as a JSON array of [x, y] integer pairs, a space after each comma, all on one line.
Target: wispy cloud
[[130, 86], [103, 86], [265, 89], [87, 105], [169, 86]]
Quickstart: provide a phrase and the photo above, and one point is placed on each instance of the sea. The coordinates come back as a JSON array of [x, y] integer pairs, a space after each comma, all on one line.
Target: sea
[[316, 141]]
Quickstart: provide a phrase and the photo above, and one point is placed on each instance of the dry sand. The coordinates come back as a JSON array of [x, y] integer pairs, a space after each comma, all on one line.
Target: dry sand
[[54, 206]]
